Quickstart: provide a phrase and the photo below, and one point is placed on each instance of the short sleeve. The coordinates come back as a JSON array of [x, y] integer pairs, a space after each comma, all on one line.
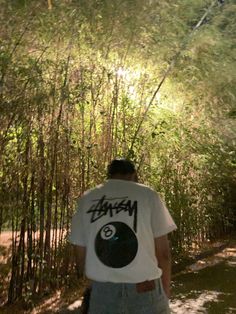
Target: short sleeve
[[77, 234], [161, 220]]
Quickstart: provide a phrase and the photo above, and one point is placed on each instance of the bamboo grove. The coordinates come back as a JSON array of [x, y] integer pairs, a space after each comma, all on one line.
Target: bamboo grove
[[76, 81]]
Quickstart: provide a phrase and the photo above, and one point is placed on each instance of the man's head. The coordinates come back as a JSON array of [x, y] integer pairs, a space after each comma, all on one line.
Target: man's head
[[122, 169]]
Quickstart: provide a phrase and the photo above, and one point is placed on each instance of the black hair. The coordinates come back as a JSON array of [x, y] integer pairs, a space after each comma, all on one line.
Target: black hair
[[120, 166]]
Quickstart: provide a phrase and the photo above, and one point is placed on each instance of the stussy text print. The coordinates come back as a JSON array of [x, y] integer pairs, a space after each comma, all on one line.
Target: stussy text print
[[113, 206]]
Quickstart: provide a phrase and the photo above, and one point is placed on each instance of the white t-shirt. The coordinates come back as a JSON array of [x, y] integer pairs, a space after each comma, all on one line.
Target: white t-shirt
[[117, 222]]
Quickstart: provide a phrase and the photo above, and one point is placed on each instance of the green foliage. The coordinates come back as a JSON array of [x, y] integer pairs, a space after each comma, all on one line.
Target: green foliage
[[75, 88]]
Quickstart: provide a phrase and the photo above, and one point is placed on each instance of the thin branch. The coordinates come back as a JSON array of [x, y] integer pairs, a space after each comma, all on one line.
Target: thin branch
[[17, 44], [49, 4], [167, 72]]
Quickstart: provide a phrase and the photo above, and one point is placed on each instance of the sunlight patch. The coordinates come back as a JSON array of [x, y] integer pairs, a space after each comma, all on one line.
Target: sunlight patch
[[75, 305], [196, 305]]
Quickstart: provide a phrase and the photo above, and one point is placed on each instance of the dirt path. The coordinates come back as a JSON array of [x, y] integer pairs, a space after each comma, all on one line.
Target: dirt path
[[208, 286]]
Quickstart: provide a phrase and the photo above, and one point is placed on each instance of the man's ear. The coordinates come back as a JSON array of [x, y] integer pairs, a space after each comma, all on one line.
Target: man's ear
[[134, 177]]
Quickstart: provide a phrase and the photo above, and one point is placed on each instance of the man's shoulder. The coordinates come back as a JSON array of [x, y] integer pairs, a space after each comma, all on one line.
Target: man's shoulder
[[128, 185], [146, 188], [93, 190]]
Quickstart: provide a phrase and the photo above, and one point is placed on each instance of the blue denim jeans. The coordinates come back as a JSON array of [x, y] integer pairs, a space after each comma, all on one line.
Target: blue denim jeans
[[120, 298]]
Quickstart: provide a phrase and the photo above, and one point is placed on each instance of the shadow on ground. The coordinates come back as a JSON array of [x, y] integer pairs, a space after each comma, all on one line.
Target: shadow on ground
[[207, 286], [208, 290]]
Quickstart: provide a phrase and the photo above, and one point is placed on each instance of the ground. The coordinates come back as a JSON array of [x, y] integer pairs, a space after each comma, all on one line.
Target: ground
[[206, 286]]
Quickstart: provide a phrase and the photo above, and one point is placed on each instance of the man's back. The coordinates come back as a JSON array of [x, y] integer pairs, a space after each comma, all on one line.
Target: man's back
[[118, 221], [120, 229]]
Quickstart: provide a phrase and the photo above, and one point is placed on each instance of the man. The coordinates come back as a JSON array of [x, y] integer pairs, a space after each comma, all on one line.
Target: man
[[120, 233]]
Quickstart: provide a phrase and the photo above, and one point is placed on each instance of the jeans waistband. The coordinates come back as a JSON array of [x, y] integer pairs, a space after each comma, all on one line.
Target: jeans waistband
[[144, 286]]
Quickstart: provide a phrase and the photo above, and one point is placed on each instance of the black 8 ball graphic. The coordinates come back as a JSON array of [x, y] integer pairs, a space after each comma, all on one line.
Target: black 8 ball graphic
[[116, 245]]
